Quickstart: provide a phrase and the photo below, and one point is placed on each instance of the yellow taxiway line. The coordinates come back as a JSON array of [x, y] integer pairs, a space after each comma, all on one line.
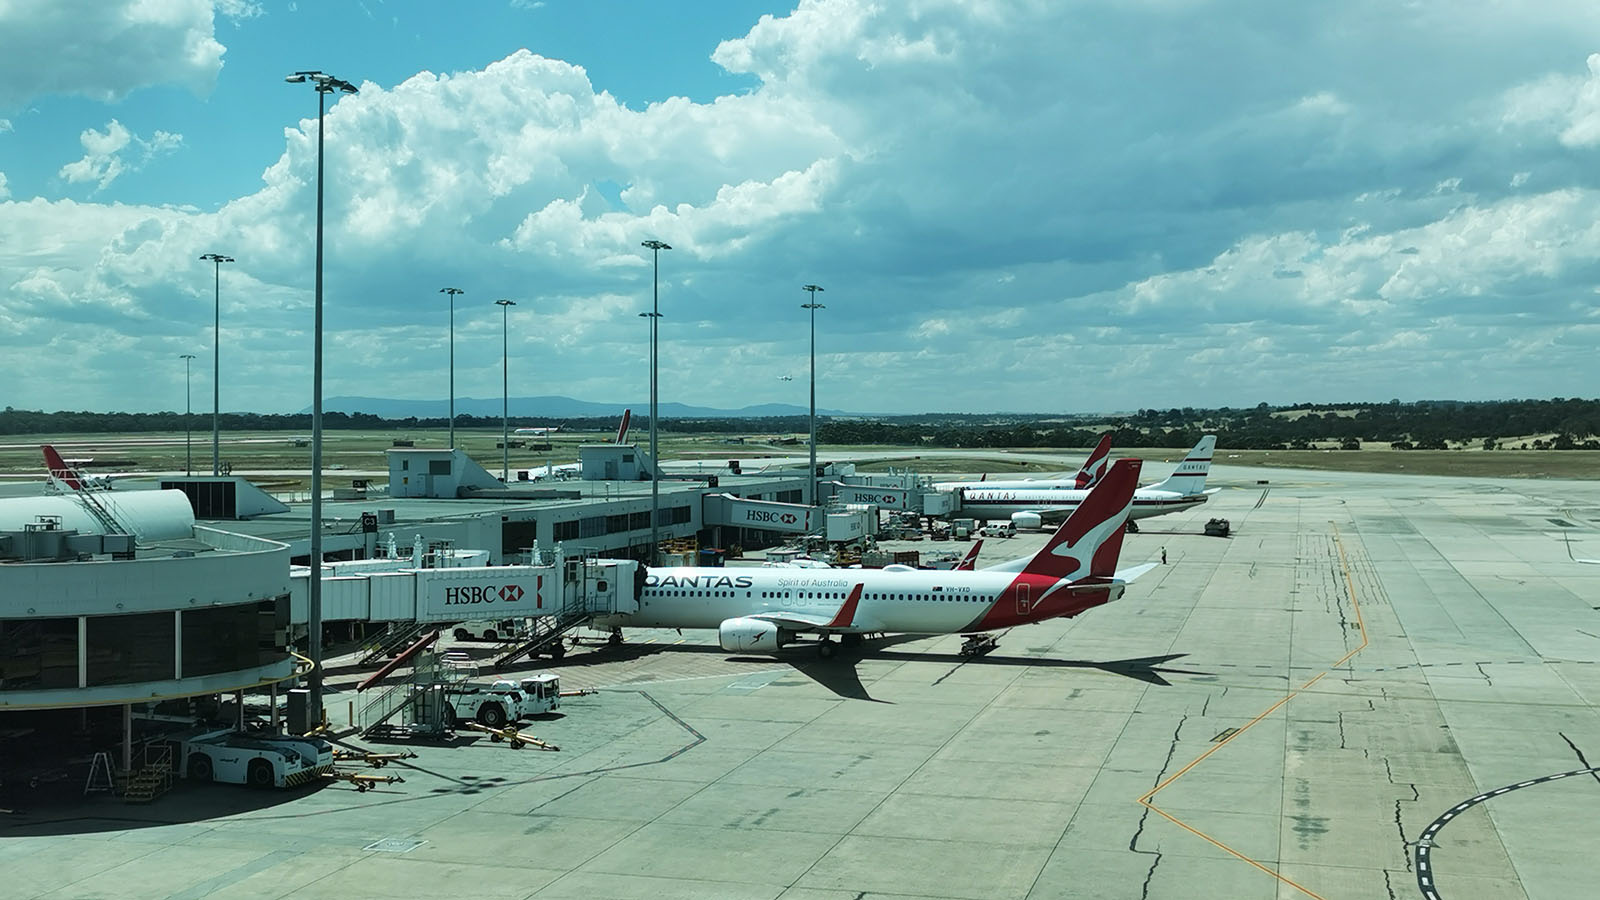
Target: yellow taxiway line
[[1145, 801]]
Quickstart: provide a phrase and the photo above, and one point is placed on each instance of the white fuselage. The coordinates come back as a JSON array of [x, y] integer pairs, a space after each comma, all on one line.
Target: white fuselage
[[988, 503], [910, 601]]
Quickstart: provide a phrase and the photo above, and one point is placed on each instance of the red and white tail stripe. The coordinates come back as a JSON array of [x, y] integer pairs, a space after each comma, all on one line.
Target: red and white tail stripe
[[1090, 540], [622, 429], [1094, 468], [59, 470]]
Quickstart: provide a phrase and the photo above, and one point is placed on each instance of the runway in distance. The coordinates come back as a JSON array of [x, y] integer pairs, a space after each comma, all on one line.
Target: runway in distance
[[762, 610], [1038, 504]]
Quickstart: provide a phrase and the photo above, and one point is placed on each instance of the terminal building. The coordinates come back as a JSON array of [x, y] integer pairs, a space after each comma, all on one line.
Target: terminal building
[[115, 602]]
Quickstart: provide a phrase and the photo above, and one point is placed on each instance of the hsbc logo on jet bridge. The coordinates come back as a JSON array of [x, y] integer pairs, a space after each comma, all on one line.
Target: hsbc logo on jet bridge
[[771, 517], [479, 594]]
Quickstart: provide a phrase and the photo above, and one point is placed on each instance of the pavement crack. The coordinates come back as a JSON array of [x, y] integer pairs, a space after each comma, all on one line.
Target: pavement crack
[[1400, 825], [1484, 674], [1144, 890], [1133, 842], [1581, 758], [1387, 885]]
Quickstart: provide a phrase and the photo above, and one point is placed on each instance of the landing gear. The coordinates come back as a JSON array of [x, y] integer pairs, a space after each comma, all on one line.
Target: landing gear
[[977, 645], [1133, 527], [616, 638], [850, 641], [826, 648]]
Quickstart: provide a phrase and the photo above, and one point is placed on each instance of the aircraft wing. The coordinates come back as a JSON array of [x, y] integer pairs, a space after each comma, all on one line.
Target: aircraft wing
[[1128, 575], [842, 621], [1053, 515]]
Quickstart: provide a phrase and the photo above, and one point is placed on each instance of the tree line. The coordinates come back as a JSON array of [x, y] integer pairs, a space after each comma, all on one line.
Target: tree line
[[1435, 424]]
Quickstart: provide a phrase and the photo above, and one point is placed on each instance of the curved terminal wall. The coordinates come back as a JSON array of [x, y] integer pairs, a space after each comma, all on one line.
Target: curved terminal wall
[[121, 631], [148, 515]]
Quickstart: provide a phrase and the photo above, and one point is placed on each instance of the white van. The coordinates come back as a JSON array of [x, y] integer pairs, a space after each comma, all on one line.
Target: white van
[[998, 529]]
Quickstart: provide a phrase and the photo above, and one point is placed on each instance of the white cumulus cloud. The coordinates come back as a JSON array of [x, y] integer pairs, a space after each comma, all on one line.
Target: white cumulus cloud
[[103, 161]]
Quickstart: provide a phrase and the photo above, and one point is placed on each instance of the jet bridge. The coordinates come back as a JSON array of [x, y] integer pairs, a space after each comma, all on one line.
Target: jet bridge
[[726, 509], [560, 587]]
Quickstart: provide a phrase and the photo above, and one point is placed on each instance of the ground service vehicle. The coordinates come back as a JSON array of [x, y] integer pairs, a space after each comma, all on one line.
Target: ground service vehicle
[[261, 761], [505, 701]]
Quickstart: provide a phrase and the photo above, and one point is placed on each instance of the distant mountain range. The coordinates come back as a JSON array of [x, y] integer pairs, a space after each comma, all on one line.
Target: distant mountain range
[[550, 408]]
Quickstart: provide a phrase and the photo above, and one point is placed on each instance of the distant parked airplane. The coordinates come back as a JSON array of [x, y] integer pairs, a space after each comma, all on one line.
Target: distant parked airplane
[[1029, 505]]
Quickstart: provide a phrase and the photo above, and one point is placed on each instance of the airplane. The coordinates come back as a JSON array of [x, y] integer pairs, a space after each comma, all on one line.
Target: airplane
[[761, 610], [1032, 506], [1094, 468], [538, 429], [64, 476], [569, 470]]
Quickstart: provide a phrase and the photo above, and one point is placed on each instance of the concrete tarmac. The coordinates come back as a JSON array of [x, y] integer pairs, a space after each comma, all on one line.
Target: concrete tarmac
[[1278, 714]]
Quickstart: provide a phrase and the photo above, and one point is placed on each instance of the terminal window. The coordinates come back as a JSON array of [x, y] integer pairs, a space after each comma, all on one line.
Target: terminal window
[[38, 654], [130, 649], [230, 638]]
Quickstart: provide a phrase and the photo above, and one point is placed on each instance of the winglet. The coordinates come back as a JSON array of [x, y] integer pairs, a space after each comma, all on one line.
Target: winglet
[[1094, 468], [969, 562], [59, 470], [847, 612], [1090, 540]]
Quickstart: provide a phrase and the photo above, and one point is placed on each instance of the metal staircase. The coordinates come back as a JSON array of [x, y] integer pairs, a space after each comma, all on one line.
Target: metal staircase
[[422, 695], [393, 639], [546, 631], [99, 511]]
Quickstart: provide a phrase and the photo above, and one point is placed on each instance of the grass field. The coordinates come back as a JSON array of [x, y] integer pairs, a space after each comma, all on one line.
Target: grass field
[[347, 453]]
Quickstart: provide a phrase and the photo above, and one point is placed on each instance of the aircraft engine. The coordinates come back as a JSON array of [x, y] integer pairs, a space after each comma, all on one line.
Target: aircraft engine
[[1027, 520], [746, 634]]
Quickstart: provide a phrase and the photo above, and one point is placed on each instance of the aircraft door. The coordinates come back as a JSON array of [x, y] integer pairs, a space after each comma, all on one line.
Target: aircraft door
[[1024, 599]]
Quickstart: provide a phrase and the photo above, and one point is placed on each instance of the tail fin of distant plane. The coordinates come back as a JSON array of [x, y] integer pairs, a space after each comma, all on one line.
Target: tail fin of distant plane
[[59, 470], [1094, 468], [969, 562], [622, 430], [1190, 475], [1090, 540]]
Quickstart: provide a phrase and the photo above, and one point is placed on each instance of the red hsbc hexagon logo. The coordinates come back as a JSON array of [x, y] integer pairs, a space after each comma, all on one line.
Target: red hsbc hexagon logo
[[787, 518], [511, 593], [890, 498]]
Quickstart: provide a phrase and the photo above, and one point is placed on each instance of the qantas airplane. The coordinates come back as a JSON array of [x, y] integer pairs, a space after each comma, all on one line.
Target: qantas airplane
[[64, 475], [1094, 468], [1036, 504], [761, 610], [571, 470], [967, 563]]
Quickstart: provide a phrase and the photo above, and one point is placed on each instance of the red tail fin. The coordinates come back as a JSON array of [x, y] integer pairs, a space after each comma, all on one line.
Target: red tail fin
[[1094, 468], [59, 470], [970, 561], [1090, 540], [622, 430]]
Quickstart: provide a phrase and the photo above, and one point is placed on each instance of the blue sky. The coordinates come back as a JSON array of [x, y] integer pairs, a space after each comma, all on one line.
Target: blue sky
[[1013, 206]]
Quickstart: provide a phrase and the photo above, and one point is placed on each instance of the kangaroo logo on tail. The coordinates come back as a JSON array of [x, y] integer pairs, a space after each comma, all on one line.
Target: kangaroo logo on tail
[[1090, 540], [1094, 468]]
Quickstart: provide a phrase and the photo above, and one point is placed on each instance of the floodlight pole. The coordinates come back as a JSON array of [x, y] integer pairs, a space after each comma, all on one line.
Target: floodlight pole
[[452, 292], [216, 259], [324, 85], [505, 388], [654, 315], [188, 423], [813, 306]]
